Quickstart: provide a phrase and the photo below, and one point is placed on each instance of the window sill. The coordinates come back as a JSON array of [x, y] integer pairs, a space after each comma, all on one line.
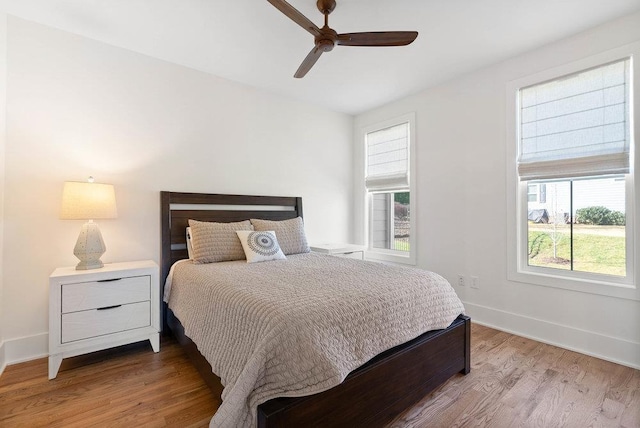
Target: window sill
[[597, 286], [390, 257]]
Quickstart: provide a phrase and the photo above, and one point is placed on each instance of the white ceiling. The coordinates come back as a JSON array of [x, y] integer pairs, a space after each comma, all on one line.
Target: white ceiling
[[250, 41]]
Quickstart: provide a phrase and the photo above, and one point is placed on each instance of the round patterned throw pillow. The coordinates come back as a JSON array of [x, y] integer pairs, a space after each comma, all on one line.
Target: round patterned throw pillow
[[260, 246], [263, 243]]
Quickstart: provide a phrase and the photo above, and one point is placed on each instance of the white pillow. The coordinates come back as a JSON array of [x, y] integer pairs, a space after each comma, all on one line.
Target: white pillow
[[260, 246], [189, 245]]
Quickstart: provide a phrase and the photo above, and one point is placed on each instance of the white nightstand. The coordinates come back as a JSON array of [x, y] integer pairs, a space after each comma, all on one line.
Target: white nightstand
[[91, 310], [341, 250]]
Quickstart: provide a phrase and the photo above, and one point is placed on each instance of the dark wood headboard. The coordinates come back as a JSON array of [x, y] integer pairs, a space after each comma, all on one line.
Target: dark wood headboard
[[177, 208]]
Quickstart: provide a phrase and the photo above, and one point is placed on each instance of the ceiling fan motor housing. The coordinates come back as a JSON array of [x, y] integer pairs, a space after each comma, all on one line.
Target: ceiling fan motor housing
[[327, 39], [326, 45]]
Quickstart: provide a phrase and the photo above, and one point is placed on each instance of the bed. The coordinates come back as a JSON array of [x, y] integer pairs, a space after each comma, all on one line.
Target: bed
[[370, 395]]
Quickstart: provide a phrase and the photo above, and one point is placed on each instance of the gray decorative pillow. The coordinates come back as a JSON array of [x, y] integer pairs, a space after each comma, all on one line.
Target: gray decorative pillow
[[217, 242], [290, 234]]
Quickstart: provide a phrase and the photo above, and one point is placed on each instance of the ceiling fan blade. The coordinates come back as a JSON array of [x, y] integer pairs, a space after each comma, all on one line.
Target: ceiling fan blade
[[308, 62], [296, 16], [379, 38]]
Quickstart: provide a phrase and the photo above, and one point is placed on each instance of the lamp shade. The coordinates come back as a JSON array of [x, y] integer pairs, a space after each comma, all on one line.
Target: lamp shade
[[88, 201]]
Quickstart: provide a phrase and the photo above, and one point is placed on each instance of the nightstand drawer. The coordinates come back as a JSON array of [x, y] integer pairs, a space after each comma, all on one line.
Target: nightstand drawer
[[98, 294], [98, 322]]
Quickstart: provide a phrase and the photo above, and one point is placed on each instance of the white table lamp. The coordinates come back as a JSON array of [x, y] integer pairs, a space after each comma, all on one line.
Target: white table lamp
[[88, 201]]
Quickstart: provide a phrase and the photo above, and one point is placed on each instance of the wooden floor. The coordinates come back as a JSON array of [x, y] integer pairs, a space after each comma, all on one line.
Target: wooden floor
[[513, 382]]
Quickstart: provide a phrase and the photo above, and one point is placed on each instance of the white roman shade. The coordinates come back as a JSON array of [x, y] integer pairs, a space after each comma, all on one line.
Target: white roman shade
[[577, 125], [387, 166]]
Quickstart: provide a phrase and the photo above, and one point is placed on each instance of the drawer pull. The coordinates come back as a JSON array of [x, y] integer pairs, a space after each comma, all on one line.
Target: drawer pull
[[109, 280], [108, 307]]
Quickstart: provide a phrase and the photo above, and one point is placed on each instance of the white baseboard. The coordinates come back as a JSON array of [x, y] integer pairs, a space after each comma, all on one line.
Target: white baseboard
[[3, 363], [26, 348], [616, 350]]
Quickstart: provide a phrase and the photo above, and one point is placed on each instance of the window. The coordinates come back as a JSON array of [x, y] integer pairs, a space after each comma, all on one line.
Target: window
[[388, 190], [390, 221], [537, 193], [572, 176], [583, 227]]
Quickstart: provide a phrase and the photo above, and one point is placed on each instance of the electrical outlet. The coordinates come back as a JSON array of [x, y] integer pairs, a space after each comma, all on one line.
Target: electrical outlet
[[475, 282], [461, 280]]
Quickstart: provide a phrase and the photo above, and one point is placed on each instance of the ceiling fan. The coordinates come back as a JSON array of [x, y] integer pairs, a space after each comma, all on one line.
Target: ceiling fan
[[326, 38]]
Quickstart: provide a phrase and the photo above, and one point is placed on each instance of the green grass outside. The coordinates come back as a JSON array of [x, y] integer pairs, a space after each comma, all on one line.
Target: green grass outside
[[401, 244], [597, 251]]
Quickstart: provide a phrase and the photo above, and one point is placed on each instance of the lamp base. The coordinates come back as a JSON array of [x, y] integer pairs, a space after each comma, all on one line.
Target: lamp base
[[89, 264], [89, 247]]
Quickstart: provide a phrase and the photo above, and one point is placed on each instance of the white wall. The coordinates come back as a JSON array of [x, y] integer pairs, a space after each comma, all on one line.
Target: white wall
[[76, 107], [3, 99], [462, 213]]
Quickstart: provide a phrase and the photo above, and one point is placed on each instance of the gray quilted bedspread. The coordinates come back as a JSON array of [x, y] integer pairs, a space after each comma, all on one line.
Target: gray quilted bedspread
[[298, 326]]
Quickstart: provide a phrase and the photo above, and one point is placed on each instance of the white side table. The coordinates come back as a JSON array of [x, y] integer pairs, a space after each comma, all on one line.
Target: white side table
[[91, 310], [351, 251]]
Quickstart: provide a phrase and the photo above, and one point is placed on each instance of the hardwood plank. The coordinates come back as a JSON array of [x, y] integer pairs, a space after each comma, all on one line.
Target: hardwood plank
[[631, 414], [514, 382]]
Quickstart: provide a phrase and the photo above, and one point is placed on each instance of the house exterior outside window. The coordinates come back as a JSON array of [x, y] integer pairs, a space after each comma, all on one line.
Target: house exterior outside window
[[537, 193], [389, 190], [571, 161]]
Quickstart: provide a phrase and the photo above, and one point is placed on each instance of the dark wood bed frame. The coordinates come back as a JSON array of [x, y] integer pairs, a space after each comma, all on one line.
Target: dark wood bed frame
[[372, 394]]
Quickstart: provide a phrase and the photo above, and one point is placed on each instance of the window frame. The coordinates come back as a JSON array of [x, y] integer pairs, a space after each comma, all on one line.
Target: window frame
[[518, 269], [389, 255]]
